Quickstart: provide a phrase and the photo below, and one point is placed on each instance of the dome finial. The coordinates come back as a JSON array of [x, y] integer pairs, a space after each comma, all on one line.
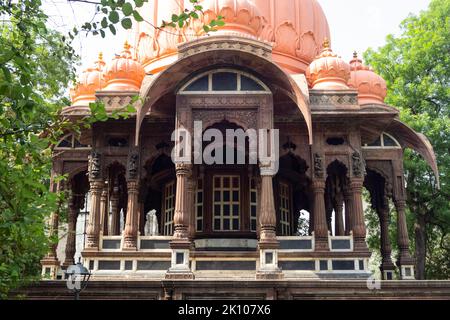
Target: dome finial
[[100, 56], [355, 55], [127, 45], [326, 44]]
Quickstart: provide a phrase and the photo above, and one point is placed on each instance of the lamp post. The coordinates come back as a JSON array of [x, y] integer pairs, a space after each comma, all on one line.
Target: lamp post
[[77, 278]]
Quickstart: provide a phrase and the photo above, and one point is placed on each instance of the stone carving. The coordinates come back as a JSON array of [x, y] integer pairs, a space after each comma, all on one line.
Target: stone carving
[[347, 99], [318, 166], [151, 226], [358, 164], [133, 166], [95, 168], [242, 117]]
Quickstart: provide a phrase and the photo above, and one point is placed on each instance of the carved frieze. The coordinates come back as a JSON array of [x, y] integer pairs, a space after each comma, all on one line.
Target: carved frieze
[[95, 167], [133, 165], [319, 171], [358, 165], [225, 43], [325, 99], [243, 117]]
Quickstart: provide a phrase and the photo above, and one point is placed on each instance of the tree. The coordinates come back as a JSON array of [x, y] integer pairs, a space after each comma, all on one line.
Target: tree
[[416, 66], [35, 69]]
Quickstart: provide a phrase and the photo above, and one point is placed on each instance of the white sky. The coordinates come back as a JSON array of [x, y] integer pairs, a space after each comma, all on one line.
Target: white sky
[[355, 24]]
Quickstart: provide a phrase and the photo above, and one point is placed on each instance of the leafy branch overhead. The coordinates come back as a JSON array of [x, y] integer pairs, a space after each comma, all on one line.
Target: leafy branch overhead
[[113, 13]]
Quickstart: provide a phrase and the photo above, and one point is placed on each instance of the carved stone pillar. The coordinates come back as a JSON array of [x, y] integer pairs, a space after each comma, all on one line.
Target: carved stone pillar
[[267, 217], [131, 224], [104, 214], [181, 244], [268, 243], [320, 219], [348, 212], [339, 218], [71, 233], [181, 218], [404, 262], [93, 228], [359, 226], [191, 188], [115, 218], [387, 267], [132, 218]]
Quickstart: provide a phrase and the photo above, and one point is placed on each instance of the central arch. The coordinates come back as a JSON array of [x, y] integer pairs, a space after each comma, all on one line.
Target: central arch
[[223, 50]]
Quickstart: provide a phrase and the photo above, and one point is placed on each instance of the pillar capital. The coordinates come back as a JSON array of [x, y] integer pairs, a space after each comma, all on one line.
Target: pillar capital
[[318, 185]]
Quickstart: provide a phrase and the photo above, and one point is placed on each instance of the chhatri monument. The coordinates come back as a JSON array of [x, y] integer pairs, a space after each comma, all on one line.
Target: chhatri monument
[[241, 230]]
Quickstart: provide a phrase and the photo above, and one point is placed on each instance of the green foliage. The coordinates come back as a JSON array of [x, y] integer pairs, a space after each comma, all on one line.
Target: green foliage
[[124, 13], [35, 70], [416, 66]]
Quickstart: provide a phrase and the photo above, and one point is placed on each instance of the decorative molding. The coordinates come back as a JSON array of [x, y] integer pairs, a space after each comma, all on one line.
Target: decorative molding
[[95, 165], [241, 117], [336, 99], [319, 171], [358, 165], [222, 43]]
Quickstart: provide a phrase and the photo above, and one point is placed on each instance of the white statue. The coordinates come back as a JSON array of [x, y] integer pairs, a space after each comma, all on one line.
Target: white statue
[[151, 226]]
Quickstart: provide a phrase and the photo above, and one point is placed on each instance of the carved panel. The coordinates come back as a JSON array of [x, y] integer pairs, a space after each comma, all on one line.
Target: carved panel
[[346, 99], [246, 118]]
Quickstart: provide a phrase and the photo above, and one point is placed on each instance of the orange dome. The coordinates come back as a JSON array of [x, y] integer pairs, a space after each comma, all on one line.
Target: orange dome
[[371, 87], [124, 73], [88, 83], [296, 28], [328, 71]]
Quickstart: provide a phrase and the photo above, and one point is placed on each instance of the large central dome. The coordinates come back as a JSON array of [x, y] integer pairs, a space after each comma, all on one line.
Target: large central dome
[[296, 28]]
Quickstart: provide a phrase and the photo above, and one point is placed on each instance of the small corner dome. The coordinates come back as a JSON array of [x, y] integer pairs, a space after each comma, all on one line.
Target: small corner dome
[[372, 88], [90, 81], [124, 73], [328, 71]]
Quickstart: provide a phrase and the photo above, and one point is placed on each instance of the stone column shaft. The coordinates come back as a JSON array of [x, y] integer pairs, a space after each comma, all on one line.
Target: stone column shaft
[[71, 234], [131, 224], [104, 214], [402, 233], [181, 218], [320, 219], [267, 218], [359, 226], [339, 219], [93, 228], [115, 219], [348, 213]]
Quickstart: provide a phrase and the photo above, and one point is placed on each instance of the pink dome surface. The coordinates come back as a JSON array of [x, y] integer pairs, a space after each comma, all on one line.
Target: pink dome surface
[[124, 73], [296, 28], [88, 83], [372, 88], [328, 71]]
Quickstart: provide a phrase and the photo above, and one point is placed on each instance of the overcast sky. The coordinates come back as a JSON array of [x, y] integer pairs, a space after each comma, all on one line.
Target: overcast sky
[[355, 24]]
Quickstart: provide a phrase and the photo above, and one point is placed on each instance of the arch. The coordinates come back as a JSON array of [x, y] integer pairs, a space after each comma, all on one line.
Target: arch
[[69, 142], [221, 50], [409, 138], [207, 78]]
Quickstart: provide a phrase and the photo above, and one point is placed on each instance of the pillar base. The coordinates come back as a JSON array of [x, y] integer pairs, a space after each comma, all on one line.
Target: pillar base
[[360, 245], [321, 244], [50, 268], [387, 271], [180, 267], [406, 268]]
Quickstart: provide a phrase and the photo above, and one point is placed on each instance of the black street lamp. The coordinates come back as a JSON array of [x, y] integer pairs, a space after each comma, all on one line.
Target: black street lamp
[[77, 277]]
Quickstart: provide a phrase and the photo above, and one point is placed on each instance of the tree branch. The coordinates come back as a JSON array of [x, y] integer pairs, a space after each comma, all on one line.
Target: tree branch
[[85, 1]]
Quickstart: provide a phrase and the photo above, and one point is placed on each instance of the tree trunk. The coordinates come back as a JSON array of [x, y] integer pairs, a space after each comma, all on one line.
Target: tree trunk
[[421, 246]]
